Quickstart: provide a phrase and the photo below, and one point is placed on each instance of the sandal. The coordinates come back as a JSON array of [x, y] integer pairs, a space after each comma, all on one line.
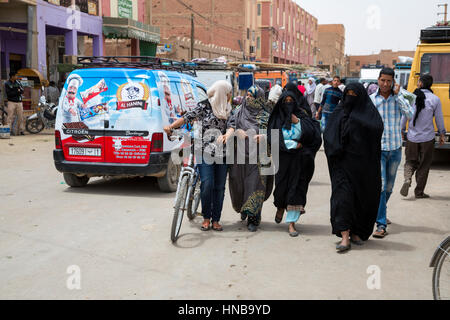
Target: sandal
[[216, 226], [206, 225], [279, 216]]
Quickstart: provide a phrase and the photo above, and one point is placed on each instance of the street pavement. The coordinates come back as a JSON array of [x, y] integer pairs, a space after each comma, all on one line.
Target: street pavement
[[115, 234]]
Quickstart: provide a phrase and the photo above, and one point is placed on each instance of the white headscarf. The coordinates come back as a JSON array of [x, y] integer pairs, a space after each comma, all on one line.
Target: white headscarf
[[275, 93], [217, 96], [310, 88]]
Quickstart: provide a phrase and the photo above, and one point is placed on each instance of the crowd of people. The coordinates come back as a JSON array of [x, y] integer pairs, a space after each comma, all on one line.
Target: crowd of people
[[362, 136]]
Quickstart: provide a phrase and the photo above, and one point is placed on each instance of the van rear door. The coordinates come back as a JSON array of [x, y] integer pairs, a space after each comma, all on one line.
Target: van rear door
[[81, 117], [129, 124]]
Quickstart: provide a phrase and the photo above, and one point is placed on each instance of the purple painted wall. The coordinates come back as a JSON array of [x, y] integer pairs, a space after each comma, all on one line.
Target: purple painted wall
[[12, 42], [70, 23]]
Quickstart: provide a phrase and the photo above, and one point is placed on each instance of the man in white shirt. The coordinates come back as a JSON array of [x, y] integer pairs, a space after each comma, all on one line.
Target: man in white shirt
[[318, 96]]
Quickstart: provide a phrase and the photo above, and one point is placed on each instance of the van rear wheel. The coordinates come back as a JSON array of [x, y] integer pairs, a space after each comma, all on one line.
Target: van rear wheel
[[169, 182], [75, 181]]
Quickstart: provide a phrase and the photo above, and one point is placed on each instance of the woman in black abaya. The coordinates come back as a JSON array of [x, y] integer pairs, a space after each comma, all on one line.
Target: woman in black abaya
[[299, 140], [352, 143]]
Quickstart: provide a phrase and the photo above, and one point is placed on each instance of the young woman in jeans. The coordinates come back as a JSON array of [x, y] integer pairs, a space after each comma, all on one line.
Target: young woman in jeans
[[213, 116]]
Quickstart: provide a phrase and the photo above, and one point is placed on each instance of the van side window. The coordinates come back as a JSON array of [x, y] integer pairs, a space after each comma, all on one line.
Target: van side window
[[202, 95], [438, 65], [187, 95]]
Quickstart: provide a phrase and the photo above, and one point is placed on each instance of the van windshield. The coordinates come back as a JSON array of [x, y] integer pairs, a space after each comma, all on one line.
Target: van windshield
[[438, 65]]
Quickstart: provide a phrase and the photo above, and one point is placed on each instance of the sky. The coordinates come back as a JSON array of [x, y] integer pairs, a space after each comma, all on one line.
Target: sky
[[372, 25]]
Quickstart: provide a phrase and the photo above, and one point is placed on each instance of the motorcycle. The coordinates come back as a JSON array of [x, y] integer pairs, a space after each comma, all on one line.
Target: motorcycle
[[44, 118]]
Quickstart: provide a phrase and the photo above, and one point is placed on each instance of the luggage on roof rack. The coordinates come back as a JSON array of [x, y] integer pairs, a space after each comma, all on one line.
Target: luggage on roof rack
[[142, 62], [435, 35]]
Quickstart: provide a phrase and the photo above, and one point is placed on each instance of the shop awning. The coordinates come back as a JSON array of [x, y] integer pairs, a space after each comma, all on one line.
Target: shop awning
[[32, 78], [123, 28]]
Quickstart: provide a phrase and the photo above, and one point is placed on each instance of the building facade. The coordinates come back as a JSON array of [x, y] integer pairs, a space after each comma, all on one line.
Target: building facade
[[331, 53], [289, 34], [28, 28], [127, 28], [229, 24], [39, 34], [386, 58]]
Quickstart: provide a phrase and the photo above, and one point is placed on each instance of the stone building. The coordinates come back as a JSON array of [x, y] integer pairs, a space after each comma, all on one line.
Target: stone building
[[331, 55], [288, 33]]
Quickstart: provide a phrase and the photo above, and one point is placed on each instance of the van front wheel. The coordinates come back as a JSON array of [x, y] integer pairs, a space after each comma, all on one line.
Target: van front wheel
[[75, 181], [169, 182]]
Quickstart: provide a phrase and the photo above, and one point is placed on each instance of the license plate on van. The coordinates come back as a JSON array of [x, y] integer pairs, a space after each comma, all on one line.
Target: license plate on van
[[89, 152]]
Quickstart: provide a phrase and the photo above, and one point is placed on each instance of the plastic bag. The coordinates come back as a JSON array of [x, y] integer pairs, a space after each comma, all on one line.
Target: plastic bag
[[411, 97]]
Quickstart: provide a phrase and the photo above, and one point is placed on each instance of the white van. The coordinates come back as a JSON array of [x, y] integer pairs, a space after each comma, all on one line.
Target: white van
[[110, 122]]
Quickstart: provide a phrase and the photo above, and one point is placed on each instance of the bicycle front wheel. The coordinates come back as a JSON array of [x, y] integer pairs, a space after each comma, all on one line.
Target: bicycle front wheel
[[179, 209], [194, 202], [441, 275]]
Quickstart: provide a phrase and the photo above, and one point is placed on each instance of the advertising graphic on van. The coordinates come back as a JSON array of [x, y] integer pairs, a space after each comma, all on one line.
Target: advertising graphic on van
[[132, 95], [111, 117]]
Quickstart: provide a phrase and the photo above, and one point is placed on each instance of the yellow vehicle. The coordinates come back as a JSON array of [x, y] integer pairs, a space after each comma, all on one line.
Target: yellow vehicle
[[433, 57]]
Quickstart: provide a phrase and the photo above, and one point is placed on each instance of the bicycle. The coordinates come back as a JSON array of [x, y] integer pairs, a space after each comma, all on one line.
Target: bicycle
[[441, 273], [187, 197]]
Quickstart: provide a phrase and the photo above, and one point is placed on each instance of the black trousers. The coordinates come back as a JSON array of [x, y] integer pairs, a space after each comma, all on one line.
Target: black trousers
[[419, 157]]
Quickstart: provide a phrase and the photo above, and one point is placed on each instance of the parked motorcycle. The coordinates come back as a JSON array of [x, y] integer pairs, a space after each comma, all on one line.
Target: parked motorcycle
[[44, 118]]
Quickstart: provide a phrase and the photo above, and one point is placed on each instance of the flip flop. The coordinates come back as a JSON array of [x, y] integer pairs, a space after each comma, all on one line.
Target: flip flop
[[205, 227]]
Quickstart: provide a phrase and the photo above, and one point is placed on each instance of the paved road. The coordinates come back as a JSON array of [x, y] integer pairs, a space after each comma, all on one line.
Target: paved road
[[117, 233]]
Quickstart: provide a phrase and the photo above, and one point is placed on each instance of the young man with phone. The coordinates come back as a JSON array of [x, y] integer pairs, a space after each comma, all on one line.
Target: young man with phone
[[392, 106]]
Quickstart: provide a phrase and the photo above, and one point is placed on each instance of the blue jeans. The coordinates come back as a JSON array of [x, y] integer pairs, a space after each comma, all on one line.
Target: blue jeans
[[213, 178], [325, 116], [390, 160]]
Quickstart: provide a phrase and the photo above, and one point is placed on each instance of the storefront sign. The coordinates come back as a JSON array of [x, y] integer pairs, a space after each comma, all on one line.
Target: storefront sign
[[125, 9], [92, 8]]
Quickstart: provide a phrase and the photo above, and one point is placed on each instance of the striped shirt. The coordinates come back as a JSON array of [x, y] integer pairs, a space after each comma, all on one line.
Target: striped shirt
[[331, 98], [391, 111]]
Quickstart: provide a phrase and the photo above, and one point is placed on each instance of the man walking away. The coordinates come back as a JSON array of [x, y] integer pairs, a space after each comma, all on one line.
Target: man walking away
[[391, 105], [318, 95], [14, 91], [52, 93], [330, 100], [420, 138]]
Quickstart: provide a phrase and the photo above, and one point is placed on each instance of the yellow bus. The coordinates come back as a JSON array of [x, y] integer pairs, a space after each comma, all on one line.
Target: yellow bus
[[433, 56]]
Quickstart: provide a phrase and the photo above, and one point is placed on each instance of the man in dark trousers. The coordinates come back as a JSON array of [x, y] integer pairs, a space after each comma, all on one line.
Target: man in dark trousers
[[14, 91], [421, 136]]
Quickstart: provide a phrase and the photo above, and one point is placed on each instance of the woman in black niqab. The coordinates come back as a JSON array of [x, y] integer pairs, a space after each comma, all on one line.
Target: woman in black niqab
[[302, 103], [352, 142], [296, 165]]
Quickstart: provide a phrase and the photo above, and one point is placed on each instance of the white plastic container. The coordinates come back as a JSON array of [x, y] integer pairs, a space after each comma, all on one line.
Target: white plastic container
[[5, 132]]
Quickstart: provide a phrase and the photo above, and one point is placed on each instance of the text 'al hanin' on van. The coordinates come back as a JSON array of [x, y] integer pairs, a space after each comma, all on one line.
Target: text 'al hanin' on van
[[111, 116]]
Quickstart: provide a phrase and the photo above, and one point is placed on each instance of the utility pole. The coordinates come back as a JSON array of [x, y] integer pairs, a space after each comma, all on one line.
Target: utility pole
[[192, 37], [443, 13]]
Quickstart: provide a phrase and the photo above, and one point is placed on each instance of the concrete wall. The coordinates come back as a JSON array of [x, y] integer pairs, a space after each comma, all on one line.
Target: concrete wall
[[181, 50], [384, 57]]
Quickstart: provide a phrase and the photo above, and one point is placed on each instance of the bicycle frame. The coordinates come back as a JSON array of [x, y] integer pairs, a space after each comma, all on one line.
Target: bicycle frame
[[189, 171]]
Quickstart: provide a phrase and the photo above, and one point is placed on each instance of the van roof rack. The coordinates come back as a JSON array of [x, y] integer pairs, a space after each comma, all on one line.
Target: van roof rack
[[435, 35], [141, 62]]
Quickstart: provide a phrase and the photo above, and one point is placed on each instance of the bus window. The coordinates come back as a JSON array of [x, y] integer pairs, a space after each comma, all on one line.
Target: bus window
[[438, 65]]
